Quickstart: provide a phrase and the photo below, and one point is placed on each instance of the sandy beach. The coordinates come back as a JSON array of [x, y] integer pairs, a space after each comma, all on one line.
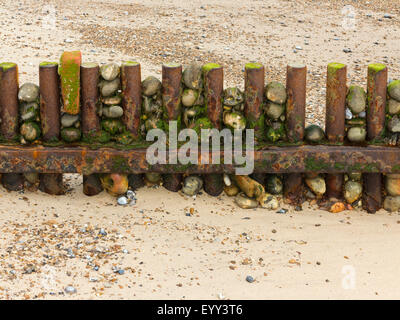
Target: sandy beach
[[154, 249]]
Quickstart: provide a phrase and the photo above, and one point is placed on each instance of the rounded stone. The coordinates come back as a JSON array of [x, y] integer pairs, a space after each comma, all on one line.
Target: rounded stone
[[392, 186], [356, 134], [391, 204], [394, 90], [122, 201], [69, 120], [189, 97], [268, 201], [109, 88], [274, 184], [393, 106], [348, 114], [394, 124], [231, 190], [314, 133], [274, 110], [356, 99], [192, 76], [113, 112], [153, 177], [150, 86], [114, 183], [192, 185], [276, 92], [70, 134], [28, 92], [234, 120], [352, 191], [109, 71], [30, 131], [115, 100], [317, 185], [244, 202]]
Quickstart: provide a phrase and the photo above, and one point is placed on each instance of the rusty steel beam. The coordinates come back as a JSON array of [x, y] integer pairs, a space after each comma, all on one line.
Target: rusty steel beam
[[171, 97], [213, 78], [90, 121], [254, 95], [295, 123], [9, 117], [49, 84], [86, 160], [336, 90], [376, 97]]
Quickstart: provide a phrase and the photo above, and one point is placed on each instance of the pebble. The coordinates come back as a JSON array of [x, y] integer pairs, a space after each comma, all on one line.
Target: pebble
[[282, 211], [347, 50], [113, 112], [268, 201], [122, 201], [317, 185], [192, 76], [276, 92], [392, 185], [393, 106], [356, 134], [68, 120], [349, 114], [109, 88], [394, 90], [150, 86], [245, 202], [102, 232], [391, 203], [394, 124], [130, 195], [274, 184], [273, 110], [189, 97], [250, 279], [70, 290], [356, 99], [314, 133], [28, 92], [109, 71], [352, 191], [192, 185], [227, 180]]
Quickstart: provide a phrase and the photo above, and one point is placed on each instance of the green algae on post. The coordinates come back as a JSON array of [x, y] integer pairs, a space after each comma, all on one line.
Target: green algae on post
[[69, 70], [7, 65]]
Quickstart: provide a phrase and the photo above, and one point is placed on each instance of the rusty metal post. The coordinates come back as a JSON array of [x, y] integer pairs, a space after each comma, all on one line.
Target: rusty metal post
[[213, 75], [49, 84], [89, 118], [295, 119], [376, 97], [171, 97], [336, 90], [131, 96], [132, 105], [253, 105], [254, 95], [9, 117]]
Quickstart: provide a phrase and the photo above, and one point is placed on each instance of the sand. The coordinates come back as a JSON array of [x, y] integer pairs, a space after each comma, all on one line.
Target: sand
[[153, 250]]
